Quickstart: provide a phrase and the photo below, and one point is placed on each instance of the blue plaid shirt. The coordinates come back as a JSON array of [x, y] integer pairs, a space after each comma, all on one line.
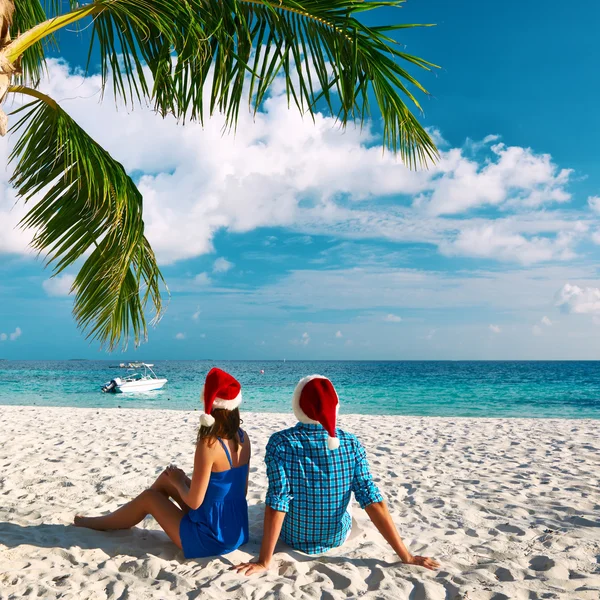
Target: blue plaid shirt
[[312, 484]]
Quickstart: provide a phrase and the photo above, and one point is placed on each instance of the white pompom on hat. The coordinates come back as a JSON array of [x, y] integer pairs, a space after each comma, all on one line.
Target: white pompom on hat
[[220, 390], [315, 401]]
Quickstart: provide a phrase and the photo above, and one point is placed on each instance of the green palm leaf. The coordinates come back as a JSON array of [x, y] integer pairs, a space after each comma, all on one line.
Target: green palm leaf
[[190, 55], [27, 15], [325, 54], [85, 203]]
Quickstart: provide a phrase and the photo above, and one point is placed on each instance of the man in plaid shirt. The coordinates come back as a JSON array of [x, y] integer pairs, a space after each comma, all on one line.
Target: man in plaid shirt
[[313, 468]]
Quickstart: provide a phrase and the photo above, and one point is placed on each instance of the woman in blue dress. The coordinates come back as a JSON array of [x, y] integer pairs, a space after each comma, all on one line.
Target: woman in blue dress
[[206, 515]]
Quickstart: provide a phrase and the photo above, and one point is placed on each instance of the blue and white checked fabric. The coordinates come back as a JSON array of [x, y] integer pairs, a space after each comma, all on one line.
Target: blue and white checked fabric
[[313, 484]]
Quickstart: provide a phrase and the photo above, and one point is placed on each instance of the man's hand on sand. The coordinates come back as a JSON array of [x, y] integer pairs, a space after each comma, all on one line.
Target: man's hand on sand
[[251, 568], [423, 561]]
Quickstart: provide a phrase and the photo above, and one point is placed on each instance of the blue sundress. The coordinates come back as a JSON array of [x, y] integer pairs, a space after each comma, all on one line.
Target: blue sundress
[[220, 524]]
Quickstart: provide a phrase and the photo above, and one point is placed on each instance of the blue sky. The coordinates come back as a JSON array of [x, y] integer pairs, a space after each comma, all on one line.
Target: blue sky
[[298, 241]]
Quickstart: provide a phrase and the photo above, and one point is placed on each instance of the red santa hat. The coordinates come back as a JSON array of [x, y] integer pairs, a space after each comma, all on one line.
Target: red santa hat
[[316, 401], [220, 390]]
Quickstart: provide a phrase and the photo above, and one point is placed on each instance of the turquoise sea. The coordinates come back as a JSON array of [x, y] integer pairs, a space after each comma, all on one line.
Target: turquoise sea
[[474, 389]]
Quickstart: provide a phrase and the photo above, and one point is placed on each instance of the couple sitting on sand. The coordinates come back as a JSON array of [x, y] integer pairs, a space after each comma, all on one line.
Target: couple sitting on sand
[[312, 469]]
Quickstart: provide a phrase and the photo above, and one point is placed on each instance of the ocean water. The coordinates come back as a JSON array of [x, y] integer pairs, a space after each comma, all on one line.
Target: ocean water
[[473, 389]]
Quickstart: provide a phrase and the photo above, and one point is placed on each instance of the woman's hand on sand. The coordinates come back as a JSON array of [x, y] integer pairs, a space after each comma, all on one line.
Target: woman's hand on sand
[[423, 561], [251, 568]]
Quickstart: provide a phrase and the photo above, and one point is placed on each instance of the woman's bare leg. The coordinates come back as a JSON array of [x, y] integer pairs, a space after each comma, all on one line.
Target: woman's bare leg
[[150, 502]]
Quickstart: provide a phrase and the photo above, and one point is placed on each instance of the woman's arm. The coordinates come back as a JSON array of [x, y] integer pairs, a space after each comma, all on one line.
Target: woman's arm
[[193, 494], [249, 458]]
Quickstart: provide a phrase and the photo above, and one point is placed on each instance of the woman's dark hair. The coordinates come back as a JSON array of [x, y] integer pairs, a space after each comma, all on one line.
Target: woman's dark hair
[[227, 424]]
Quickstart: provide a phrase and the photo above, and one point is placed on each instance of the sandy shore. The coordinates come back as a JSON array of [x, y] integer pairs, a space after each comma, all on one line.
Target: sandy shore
[[511, 508]]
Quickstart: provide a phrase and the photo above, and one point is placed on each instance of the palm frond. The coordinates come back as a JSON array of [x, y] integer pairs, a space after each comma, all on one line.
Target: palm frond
[[327, 57], [28, 14], [168, 52], [325, 54], [85, 203]]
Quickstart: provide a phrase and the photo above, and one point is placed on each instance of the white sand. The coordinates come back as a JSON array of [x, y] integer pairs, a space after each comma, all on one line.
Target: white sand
[[511, 508]]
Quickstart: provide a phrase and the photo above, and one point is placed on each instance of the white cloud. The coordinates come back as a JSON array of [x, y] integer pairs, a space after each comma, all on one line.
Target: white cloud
[[304, 340], [202, 279], [339, 334], [495, 329], [546, 321], [475, 146], [537, 330], [437, 137], [59, 286], [514, 176], [13, 239], [291, 172], [583, 301], [392, 318], [15, 335], [594, 203], [496, 240], [375, 287], [222, 265], [180, 336], [196, 315], [527, 238], [489, 139]]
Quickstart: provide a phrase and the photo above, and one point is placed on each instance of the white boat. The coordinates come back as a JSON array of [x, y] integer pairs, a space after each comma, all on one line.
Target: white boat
[[136, 382]]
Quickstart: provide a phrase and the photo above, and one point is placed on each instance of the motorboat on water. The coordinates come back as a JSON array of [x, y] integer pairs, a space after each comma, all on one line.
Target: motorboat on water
[[147, 381]]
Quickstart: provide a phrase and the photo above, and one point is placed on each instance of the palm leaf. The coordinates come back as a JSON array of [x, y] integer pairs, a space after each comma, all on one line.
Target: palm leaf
[[85, 203], [328, 58], [28, 14], [192, 55], [325, 54]]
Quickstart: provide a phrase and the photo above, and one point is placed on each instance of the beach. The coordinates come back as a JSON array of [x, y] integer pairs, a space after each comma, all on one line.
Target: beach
[[508, 506]]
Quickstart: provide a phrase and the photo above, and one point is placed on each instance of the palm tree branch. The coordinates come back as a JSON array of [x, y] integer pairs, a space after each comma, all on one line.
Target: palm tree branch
[[166, 53], [85, 207], [28, 14], [317, 48], [35, 34]]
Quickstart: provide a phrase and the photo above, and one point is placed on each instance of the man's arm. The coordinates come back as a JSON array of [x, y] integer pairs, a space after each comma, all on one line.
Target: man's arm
[[380, 516], [369, 497], [276, 506], [271, 530]]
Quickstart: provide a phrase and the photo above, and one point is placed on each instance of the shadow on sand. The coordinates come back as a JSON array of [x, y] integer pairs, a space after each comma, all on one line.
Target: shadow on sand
[[134, 542], [143, 543]]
